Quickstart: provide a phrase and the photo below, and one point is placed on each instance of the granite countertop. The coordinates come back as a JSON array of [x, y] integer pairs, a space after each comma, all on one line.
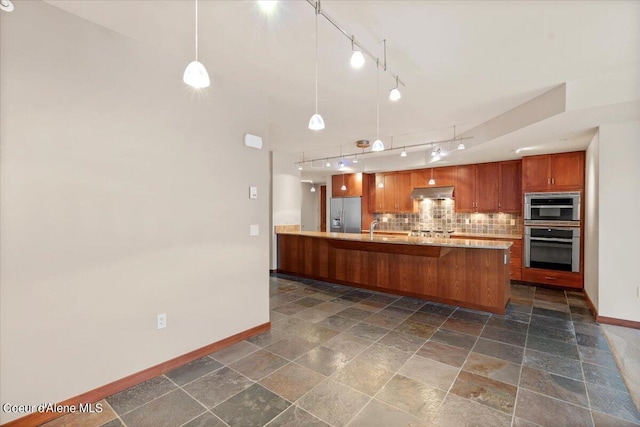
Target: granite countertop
[[455, 235], [407, 240]]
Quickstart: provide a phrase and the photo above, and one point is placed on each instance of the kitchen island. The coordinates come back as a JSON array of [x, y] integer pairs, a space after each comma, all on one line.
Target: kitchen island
[[466, 272]]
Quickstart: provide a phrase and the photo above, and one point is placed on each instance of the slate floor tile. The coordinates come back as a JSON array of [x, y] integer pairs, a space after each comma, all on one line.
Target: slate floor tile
[[377, 413], [457, 411], [412, 396], [366, 331], [235, 352], [429, 372], [253, 407], [457, 325], [323, 360], [604, 376], [107, 416], [480, 389], [217, 386], [508, 352], [338, 323], [333, 402], [192, 371], [503, 335], [570, 368], [508, 324], [363, 376], [597, 356], [349, 345], [551, 322], [557, 306], [290, 347], [354, 313], [414, 328], [455, 339], [427, 319], [402, 342], [292, 381], [546, 411], [552, 333], [596, 341], [491, 367], [553, 347], [297, 417], [549, 384], [412, 304], [259, 364], [312, 315], [454, 356], [470, 316], [384, 320], [172, 409], [205, 420], [605, 420], [388, 357], [267, 338], [140, 394]]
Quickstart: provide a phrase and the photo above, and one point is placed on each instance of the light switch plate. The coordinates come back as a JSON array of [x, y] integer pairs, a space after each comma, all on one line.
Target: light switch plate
[[253, 192], [254, 230]]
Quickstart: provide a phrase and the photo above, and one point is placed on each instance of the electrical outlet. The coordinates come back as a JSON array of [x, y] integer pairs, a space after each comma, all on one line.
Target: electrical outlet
[[162, 321]]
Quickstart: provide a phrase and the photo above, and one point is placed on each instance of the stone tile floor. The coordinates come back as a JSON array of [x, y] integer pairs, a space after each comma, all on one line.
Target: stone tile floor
[[339, 356]]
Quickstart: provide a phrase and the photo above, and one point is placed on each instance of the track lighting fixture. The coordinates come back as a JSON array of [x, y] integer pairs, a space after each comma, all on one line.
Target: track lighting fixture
[[355, 159], [394, 94], [357, 58], [340, 164], [435, 153], [195, 75], [461, 145], [300, 167], [403, 153], [378, 145], [328, 164], [432, 181], [6, 5], [316, 122], [313, 188]]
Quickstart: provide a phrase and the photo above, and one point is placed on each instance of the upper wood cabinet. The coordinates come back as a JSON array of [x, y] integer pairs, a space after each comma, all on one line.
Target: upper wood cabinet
[[562, 172], [353, 182], [465, 188], [443, 177], [391, 193], [488, 187], [510, 200]]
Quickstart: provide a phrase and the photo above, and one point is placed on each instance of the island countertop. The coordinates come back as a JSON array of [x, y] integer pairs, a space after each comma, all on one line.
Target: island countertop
[[407, 240]]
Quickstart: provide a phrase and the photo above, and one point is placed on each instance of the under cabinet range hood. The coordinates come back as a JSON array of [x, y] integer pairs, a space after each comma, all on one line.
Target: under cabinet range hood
[[437, 193]]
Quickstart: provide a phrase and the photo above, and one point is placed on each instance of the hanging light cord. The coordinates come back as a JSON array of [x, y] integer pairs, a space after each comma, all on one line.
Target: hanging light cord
[[377, 99], [196, 30], [317, 12]]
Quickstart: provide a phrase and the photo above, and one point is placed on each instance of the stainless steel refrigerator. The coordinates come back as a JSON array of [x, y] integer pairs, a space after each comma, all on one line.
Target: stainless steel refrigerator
[[346, 215]]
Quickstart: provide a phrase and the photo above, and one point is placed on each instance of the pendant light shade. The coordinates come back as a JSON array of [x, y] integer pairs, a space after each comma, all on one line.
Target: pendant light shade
[[195, 75], [6, 5], [395, 94], [267, 6], [403, 153], [343, 188], [432, 181], [313, 189], [377, 145], [357, 59], [461, 146], [316, 122]]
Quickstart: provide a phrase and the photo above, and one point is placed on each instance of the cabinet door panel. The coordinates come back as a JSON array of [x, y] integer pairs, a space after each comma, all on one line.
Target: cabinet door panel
[[510, 187], [487, 186], [389, 202], [379, 191], [403, 192], [420, 178], [444, 176], [465, 188], [536, 173], [567, 171]]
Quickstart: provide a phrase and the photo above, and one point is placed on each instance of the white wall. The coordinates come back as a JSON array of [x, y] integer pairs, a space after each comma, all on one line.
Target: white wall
[[120, 198], [619, 216], [310, 207], [286, 197], [591, 220]]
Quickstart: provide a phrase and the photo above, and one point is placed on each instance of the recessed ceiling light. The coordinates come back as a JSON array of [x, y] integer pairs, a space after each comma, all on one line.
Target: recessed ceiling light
[[6, 5], [267, 6]]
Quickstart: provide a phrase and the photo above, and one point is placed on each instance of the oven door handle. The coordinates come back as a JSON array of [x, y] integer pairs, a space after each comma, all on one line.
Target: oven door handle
[[552, 206], [551, 239]]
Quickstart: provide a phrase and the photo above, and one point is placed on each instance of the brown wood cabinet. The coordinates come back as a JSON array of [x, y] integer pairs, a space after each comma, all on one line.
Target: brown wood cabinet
[[443, 177], [465, 188], [353, 182], [488, 187], [562, 279], [392, 193], [515, 254], [561, 172], [510, 200]]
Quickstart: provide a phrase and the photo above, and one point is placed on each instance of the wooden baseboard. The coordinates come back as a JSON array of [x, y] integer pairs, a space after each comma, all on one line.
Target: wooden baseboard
[[95, 395], [610, 320]]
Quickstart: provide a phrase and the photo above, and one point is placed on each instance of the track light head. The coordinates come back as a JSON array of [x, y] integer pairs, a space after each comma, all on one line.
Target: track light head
[[267, 6], [394, 94], [461, 146], [328, 164], [404, 153]]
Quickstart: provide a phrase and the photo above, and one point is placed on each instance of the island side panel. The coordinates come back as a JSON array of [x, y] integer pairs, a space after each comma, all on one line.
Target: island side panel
[[469, 277]]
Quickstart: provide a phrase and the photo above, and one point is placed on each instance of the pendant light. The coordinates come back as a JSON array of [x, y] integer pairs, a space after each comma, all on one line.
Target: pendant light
[[6, 5], [394, 94], [313, 188], [328, 164], [195, 75], [357, 58], [316, 122], [461, 146], [344, 187], [267, 6], [432, 181], [404, 152], [378, 145]]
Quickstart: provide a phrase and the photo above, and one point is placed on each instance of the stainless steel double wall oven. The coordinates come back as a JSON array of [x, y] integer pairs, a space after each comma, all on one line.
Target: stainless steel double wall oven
[[552, 231]]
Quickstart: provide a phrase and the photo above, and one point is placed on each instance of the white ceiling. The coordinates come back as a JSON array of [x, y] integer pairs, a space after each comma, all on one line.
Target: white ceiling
[[463, 62]]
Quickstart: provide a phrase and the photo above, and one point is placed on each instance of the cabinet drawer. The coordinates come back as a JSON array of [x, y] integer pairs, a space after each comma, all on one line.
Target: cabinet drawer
[[515, 271], [549, 277]]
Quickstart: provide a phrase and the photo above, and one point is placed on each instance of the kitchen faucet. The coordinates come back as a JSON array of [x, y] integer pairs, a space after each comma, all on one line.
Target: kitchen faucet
[[371, 227]]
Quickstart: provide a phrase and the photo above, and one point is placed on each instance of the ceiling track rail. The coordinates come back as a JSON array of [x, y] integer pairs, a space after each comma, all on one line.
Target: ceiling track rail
[[316, 5]]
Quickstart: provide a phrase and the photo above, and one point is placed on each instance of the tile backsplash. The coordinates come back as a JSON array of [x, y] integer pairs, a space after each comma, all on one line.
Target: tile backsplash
[[441, 215]]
